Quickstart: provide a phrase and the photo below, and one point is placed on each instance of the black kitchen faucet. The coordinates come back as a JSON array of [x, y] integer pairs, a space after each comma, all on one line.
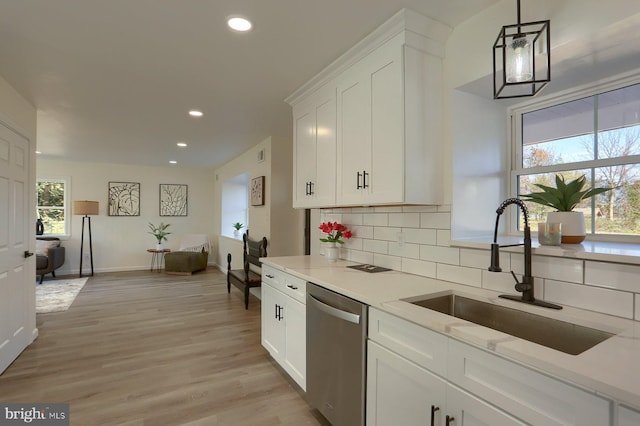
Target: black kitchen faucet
[[526, 286]]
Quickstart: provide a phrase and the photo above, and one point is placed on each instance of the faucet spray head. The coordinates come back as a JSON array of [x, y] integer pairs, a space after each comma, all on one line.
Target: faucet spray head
[[495, 258]]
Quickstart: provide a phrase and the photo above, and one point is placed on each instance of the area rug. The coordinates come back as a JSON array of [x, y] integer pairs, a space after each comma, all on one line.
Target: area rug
[[57, 295]]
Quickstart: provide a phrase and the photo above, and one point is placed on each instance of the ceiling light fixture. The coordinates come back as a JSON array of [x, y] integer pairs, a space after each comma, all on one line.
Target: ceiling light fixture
[[182, 144], [195, 113], [38, 152], [515, 51], [239, 23], [172, 161]]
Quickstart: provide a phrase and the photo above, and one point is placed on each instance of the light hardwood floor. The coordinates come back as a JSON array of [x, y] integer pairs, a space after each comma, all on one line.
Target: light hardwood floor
[[145, 348]]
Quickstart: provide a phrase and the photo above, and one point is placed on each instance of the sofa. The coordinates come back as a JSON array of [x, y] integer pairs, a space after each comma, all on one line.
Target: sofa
[[192, 256], [50, 255]]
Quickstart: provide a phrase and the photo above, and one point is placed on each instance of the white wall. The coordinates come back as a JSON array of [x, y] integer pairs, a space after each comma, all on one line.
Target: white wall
[[276, 220], [120, 243]]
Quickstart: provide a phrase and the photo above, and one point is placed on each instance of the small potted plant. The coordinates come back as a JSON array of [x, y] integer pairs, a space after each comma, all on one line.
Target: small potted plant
[[564, 198], [160, 232], [335, 232], [236, 228]]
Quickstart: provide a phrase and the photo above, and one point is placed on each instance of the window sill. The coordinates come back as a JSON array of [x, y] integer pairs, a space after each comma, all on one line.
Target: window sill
[[587, 250]]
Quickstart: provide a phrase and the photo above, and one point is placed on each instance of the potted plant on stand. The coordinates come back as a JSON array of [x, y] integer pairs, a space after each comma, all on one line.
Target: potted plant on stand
[[335, 232], [564, 198], [160, 232], [236, 228]]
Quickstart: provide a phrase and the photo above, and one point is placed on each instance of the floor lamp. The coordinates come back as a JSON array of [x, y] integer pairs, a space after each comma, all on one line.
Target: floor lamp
[[85, 208]]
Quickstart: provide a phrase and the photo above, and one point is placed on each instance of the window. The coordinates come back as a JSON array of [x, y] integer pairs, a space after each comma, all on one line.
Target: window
[[52, 205], [235, 205], [597, 136]]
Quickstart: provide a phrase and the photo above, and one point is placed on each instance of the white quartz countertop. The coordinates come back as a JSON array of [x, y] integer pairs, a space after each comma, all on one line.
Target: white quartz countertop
[[611, 368]]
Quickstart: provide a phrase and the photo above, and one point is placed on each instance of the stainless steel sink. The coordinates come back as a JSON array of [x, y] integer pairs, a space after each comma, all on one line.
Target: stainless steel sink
[[559, 335]]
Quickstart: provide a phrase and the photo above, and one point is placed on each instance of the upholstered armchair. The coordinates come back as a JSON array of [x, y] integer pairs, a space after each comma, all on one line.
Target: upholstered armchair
[[192, 256], [50, 255]]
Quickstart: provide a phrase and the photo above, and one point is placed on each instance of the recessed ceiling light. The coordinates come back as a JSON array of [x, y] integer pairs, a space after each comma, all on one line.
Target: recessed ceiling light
[[38, 152], [182, 144], [195, 113], [172, 161], [239, 23]]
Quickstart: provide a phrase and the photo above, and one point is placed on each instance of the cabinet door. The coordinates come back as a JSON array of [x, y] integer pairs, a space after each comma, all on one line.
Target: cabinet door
[[467, 410], [295, 317], [354, 135], [304, 129], [314, 129], [387, 172], [273, 330], [400, 392]]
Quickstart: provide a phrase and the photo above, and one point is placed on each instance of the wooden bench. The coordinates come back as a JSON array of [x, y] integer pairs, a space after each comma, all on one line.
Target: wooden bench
[[247, 278]]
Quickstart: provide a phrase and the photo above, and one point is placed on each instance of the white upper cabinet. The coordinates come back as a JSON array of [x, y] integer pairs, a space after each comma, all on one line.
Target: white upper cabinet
[[314, 150], [386, 97]]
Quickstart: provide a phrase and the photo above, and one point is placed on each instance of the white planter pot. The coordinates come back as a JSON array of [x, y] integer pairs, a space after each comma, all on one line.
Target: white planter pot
[[332, 252], [159, 246], [573, 230]]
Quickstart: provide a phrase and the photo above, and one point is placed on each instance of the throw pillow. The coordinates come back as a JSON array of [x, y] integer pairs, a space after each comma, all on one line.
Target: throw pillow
[[43, 246]]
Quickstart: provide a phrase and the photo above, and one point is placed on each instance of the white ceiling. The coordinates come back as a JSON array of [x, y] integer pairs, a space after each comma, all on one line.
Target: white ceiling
[[113, 80]]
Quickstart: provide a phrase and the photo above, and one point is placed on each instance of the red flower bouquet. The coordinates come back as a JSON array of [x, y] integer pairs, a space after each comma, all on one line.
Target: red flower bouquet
[[335, 232]]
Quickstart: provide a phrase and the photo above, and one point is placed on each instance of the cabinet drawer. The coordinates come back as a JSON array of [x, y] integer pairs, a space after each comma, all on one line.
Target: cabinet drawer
[[426, 348], [535, 397], [286, 283]]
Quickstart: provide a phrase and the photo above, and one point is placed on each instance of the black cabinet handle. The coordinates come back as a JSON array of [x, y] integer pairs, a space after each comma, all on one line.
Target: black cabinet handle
[[358, 186], [27, 253], [280, 317], [433, 414], [292, 287], [276, 314], [364, 179], [269, 276], [448, 420], [311, 184]]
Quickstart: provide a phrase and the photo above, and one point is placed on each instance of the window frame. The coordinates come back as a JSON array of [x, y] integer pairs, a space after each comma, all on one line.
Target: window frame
[[514, 117], [66, 180]]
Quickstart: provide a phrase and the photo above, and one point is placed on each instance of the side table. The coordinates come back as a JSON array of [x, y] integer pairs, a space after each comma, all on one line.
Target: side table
[[157, 258]]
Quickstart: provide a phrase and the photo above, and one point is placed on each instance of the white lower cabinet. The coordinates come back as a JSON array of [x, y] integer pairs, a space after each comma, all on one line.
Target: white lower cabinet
[[411, 373], [284, 322]]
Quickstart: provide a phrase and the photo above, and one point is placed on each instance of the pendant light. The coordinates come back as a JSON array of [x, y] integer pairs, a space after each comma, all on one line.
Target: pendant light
[[521, 59]]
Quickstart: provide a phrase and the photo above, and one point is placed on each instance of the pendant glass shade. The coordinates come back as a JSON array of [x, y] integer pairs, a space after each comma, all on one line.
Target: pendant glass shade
[[521, 59]]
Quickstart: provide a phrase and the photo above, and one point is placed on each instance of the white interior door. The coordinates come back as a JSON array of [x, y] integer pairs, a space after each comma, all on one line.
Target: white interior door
[[17, 280]]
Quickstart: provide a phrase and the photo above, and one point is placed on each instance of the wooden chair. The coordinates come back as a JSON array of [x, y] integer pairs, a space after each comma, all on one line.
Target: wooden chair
[[247, 278]]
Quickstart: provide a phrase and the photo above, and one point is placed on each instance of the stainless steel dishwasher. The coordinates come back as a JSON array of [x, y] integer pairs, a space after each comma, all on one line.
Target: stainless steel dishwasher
[[336, 356]]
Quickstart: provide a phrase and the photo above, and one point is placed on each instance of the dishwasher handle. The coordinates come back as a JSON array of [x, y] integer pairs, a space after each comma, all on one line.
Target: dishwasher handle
[[335, 312]]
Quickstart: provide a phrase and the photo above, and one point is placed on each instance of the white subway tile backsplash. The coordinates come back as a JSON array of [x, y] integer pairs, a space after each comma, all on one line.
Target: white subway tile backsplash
[[391, 262], [362, 231], [375, 219], [500, 281], [386, 234], [351, 219], [375, 246], [419, 267], [420, 236], [459, 274], [435, 220], [443, 237], [360, 256], [450, 255], [406, 220], [612, 275], [582, 296], [419, 209], [425, 250], [411, 251]]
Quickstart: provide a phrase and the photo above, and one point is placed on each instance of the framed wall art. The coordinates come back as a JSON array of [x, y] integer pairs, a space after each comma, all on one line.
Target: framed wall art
[[124, 199], [174, 199], [257, 191]]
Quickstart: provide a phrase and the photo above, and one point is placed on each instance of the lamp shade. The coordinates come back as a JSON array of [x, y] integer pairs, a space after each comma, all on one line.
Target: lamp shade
[[85, 207]]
